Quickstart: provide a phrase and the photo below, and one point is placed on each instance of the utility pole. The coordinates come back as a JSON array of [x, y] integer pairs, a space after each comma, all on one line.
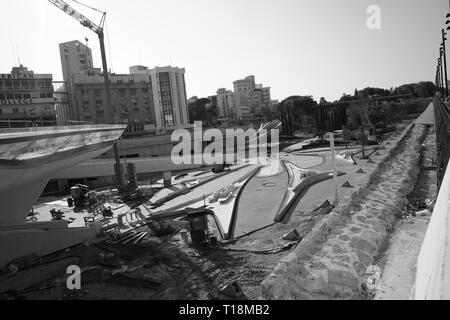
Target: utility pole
[[333, 161]]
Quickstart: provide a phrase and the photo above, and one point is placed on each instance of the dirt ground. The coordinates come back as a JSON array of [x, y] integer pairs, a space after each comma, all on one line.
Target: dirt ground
[[166, 267]]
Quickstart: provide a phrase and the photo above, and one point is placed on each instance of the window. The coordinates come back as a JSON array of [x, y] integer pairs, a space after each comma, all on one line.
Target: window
[[16, 84], [49, 94], [18, 96], [2, 96], [8, 84], [9, 96], [15, 110], [42, 95], [27, 96], [133, 92], [144, 90], [25, 84]]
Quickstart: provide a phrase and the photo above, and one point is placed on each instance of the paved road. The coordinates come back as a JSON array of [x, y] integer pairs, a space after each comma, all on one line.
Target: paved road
[[259, 202]]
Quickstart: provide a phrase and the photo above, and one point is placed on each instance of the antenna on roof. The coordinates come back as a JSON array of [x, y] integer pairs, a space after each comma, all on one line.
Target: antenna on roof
[[18, 55]]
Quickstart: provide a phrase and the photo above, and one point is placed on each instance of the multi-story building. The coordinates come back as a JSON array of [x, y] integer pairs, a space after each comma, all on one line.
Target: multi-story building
[[75, 58], [231, 105], [169, 93], [255, 97], [275, 104], [26, 98], [62, 105], [150, 100], [245, 85], [131, 100]]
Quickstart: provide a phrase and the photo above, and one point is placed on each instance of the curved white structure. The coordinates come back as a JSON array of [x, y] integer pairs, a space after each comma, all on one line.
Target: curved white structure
[[28, 157]]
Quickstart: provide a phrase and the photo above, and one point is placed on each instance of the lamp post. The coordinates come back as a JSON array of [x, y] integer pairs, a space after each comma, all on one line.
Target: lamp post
[[444, 53], [441, 73]]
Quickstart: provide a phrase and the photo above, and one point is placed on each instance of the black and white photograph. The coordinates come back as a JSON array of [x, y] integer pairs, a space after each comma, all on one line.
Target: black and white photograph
[[224, 155]]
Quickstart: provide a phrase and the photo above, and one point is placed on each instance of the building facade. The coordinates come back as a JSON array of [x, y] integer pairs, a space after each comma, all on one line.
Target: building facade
[[131, 100], [149, 100], [26, 99], [169, 94], [76, 58], [249, 101]]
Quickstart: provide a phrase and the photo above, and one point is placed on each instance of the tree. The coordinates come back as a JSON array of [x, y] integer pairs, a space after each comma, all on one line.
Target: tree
[[198, 110], [323, 100], [346, 135], [360, 135], [302, 109]]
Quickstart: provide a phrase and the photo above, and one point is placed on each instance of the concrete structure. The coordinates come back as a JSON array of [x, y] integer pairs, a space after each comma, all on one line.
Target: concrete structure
[[131, 98], [245, 85], [148, 100], [169, 92], [249, 101], [62, 104], [26, 99], [229, 102], [433, 264], [75, 58], [27, 159]]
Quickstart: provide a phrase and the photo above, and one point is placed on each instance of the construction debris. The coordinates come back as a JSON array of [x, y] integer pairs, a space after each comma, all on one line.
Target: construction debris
[[128, 280], [233, 290]]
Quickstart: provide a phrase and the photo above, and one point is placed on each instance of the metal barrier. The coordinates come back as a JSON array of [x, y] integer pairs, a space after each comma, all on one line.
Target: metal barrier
[[442, 117], [433, 263]]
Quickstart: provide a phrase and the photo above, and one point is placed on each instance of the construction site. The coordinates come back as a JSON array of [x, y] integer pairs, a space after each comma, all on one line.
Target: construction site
[[322, 218]]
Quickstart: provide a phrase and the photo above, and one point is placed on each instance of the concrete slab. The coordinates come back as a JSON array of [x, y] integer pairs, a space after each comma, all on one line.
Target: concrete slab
[[259, 203], [399, 274]]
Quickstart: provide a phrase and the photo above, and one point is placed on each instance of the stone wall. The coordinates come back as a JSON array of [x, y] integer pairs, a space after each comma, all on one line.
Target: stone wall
[[331, 260]]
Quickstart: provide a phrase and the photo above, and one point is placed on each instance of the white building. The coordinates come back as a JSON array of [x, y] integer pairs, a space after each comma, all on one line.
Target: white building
[[26, 98], [169, 94], [75, 58], [232, 104]]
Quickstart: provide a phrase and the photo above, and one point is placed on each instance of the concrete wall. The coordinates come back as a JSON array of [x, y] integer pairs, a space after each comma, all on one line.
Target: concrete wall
[[433, 263]]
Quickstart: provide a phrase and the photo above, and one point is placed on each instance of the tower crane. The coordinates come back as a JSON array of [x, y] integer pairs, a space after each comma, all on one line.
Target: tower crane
[[98, 29]]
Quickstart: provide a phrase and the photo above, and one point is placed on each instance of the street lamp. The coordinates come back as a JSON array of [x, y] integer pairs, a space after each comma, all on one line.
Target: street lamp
[[441, 73], [445, 58]]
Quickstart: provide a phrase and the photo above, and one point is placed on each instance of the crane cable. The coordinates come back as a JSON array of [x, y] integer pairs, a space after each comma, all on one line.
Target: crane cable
[[87, 6]]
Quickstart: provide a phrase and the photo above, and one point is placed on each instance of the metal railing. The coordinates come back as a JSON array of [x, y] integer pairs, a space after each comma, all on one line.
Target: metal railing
[[433, 263], [442, 121]]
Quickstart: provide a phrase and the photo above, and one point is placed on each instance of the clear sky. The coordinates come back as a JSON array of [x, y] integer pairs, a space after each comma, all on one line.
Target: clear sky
[[297, 47]]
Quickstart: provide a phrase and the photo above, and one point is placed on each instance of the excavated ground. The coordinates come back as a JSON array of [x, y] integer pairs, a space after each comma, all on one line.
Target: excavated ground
[[334, 264], [166, 268]]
